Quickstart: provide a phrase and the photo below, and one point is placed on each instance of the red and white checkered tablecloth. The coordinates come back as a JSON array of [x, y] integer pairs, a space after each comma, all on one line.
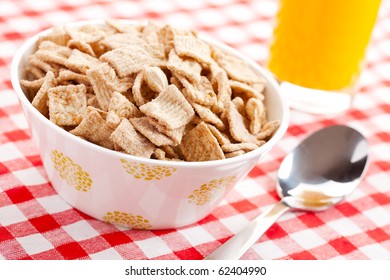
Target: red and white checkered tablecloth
[[35, 223]]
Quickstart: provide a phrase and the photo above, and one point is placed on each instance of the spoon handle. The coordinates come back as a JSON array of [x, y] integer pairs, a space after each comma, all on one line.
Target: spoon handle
[[236, 246]]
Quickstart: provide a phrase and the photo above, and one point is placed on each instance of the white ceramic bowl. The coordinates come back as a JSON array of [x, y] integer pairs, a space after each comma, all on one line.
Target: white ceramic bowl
[[132, 191]]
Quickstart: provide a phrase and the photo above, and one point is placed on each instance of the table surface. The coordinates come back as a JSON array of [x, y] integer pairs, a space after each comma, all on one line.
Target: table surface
[[35, 223]]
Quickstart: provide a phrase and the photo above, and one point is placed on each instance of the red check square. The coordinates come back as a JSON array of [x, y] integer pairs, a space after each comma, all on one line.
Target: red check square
[[347, 209], [19, 194], [275, 231], [5, 234], [311, 220], [44, 223], [189, 254], [342, 245], [17, 135], [378, 235], [116, 238], [305, 255], [72, 251], [3, 169], [381, 198]]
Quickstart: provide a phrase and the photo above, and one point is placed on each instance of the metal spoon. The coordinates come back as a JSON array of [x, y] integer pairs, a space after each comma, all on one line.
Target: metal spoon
[[320, 172]]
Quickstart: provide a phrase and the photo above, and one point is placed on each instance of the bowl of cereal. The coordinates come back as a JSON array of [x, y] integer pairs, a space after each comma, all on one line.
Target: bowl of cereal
[[145, 126]]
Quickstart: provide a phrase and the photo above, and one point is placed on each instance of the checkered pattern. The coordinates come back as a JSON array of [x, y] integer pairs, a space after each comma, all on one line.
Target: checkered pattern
[[35, 223]]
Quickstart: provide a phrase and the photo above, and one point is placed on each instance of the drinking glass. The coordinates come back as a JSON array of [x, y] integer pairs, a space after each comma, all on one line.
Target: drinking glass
[[318, 49]]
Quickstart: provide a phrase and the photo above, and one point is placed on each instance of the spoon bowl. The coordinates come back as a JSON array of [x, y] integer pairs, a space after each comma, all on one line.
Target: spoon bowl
[[319, 173], [322, 170]]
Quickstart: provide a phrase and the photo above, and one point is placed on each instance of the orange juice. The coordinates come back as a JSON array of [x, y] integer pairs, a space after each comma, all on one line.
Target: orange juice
[[320, 44]]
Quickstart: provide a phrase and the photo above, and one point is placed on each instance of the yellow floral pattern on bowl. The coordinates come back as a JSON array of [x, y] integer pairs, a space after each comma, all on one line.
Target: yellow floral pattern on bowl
[[70, 171], [146, 172], [209, 191], [126, 220]]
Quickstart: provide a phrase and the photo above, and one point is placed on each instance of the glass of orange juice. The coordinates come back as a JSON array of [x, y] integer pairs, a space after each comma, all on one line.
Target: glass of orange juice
[[318, 50]]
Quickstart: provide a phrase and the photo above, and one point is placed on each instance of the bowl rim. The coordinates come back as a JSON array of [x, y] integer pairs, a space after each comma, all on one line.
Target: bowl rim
[[284, 122]]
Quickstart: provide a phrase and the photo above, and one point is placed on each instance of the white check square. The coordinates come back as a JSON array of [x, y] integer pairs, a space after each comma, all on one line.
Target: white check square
[[53, 204], [80, 230], [11, 215], [344, 227], [153, 247], [30, 176], [34, 244], [19, 120], [235, 223], [375, 252], [197, 235], [250, 188], [109, 254], [379, 216], [208, 17], [381, 121], [268, 250], [8, 97], [307, 239], [23, 24], [381, 181], [8, 151]]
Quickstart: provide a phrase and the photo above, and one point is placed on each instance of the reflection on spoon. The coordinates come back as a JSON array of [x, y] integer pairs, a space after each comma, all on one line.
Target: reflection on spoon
[[320, 172]]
